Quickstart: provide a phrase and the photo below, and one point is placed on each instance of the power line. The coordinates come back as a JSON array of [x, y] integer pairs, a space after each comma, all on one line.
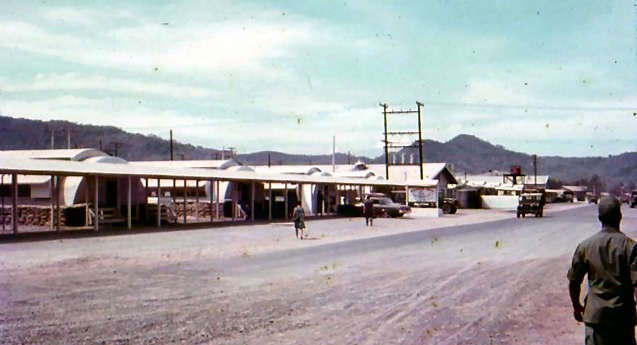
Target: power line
[[541, 107]]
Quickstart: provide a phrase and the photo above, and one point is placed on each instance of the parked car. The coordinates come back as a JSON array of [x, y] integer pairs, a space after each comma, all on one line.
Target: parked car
[[591, 197], [633, 198], [383, 205]]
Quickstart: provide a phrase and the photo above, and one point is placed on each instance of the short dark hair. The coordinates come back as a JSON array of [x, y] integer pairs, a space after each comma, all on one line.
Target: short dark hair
[[609, 211]]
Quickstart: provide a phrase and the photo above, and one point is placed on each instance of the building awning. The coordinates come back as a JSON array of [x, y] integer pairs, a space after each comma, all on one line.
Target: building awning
[[9, 165]]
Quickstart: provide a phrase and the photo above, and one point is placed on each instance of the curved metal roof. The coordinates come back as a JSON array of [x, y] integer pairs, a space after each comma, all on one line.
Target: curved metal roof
[[12, 164], [69, 155]]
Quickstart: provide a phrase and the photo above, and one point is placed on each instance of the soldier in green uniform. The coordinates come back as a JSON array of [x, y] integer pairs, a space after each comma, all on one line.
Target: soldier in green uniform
[[299, 220], [609, 258]]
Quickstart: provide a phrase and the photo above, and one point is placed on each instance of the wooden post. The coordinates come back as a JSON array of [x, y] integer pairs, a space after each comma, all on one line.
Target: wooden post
[[197, 201], [3, 213], [299, 193], [129, 201], [217, 196], [96, 202], [118, 198], [58, 214], [52, 220], [253, 192], [327, 199], [324, 193], [14, 202], [211, 189], [174, 191], [185, 204], [436, 196], [86, 197], [270, 201], [407, 195], [286, 202], [146, 201], [158, 203], [234, 205]]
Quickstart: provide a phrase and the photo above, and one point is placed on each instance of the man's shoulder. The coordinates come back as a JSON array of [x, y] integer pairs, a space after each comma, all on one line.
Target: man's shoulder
[[594, 239], [601, 237]]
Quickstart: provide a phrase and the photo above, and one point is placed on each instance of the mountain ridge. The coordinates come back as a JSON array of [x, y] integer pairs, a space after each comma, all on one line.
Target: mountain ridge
[[466, 153]]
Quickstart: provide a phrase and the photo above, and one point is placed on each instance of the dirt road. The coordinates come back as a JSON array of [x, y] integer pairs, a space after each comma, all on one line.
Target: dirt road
[[501, 282]]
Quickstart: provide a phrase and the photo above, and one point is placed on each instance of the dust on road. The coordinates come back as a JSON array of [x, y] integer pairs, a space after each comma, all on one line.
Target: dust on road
[[490, 283]]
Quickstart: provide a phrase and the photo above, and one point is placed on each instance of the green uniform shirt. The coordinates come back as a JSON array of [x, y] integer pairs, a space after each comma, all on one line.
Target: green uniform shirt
[[299, 215], [610, 259]]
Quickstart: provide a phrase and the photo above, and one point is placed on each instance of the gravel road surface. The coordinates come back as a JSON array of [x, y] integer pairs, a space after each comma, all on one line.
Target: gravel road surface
[[403, 282]]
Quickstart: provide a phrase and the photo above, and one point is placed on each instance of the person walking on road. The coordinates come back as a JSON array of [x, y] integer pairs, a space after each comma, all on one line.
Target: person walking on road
[[609, 258], [368, 210], [299, 220]]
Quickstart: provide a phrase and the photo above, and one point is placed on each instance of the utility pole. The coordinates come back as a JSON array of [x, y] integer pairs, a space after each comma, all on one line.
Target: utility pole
[[535, 169], [52, 138], [333, 153], [171, 145], [68, 138], [420, 139], [384, 105], [398, 145]]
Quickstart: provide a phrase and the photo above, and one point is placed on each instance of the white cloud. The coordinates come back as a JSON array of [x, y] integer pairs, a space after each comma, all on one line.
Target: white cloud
[[72, 16], [193, 49], [119, 112], [80, 82]]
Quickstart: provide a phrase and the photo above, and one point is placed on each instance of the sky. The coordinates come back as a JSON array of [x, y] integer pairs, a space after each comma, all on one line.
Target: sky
[[546, 77]]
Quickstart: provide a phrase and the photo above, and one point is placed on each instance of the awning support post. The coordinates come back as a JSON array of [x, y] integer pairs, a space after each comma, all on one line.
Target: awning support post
[[407, 195], [185, 204], [118, 198], [158, 203], [211, 189], [96, 202], [86, 197], [3, 213], [218, 215], [253, 192], [324, 192], [129, 201], [197, 201], [14, 202], [326, 200], [270, 201], [233, 202], [58, 215], [52, 207], [146, 220], [286, 202]]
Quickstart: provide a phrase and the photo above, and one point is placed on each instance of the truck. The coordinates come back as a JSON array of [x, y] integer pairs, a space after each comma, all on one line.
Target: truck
[[530, 203]]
